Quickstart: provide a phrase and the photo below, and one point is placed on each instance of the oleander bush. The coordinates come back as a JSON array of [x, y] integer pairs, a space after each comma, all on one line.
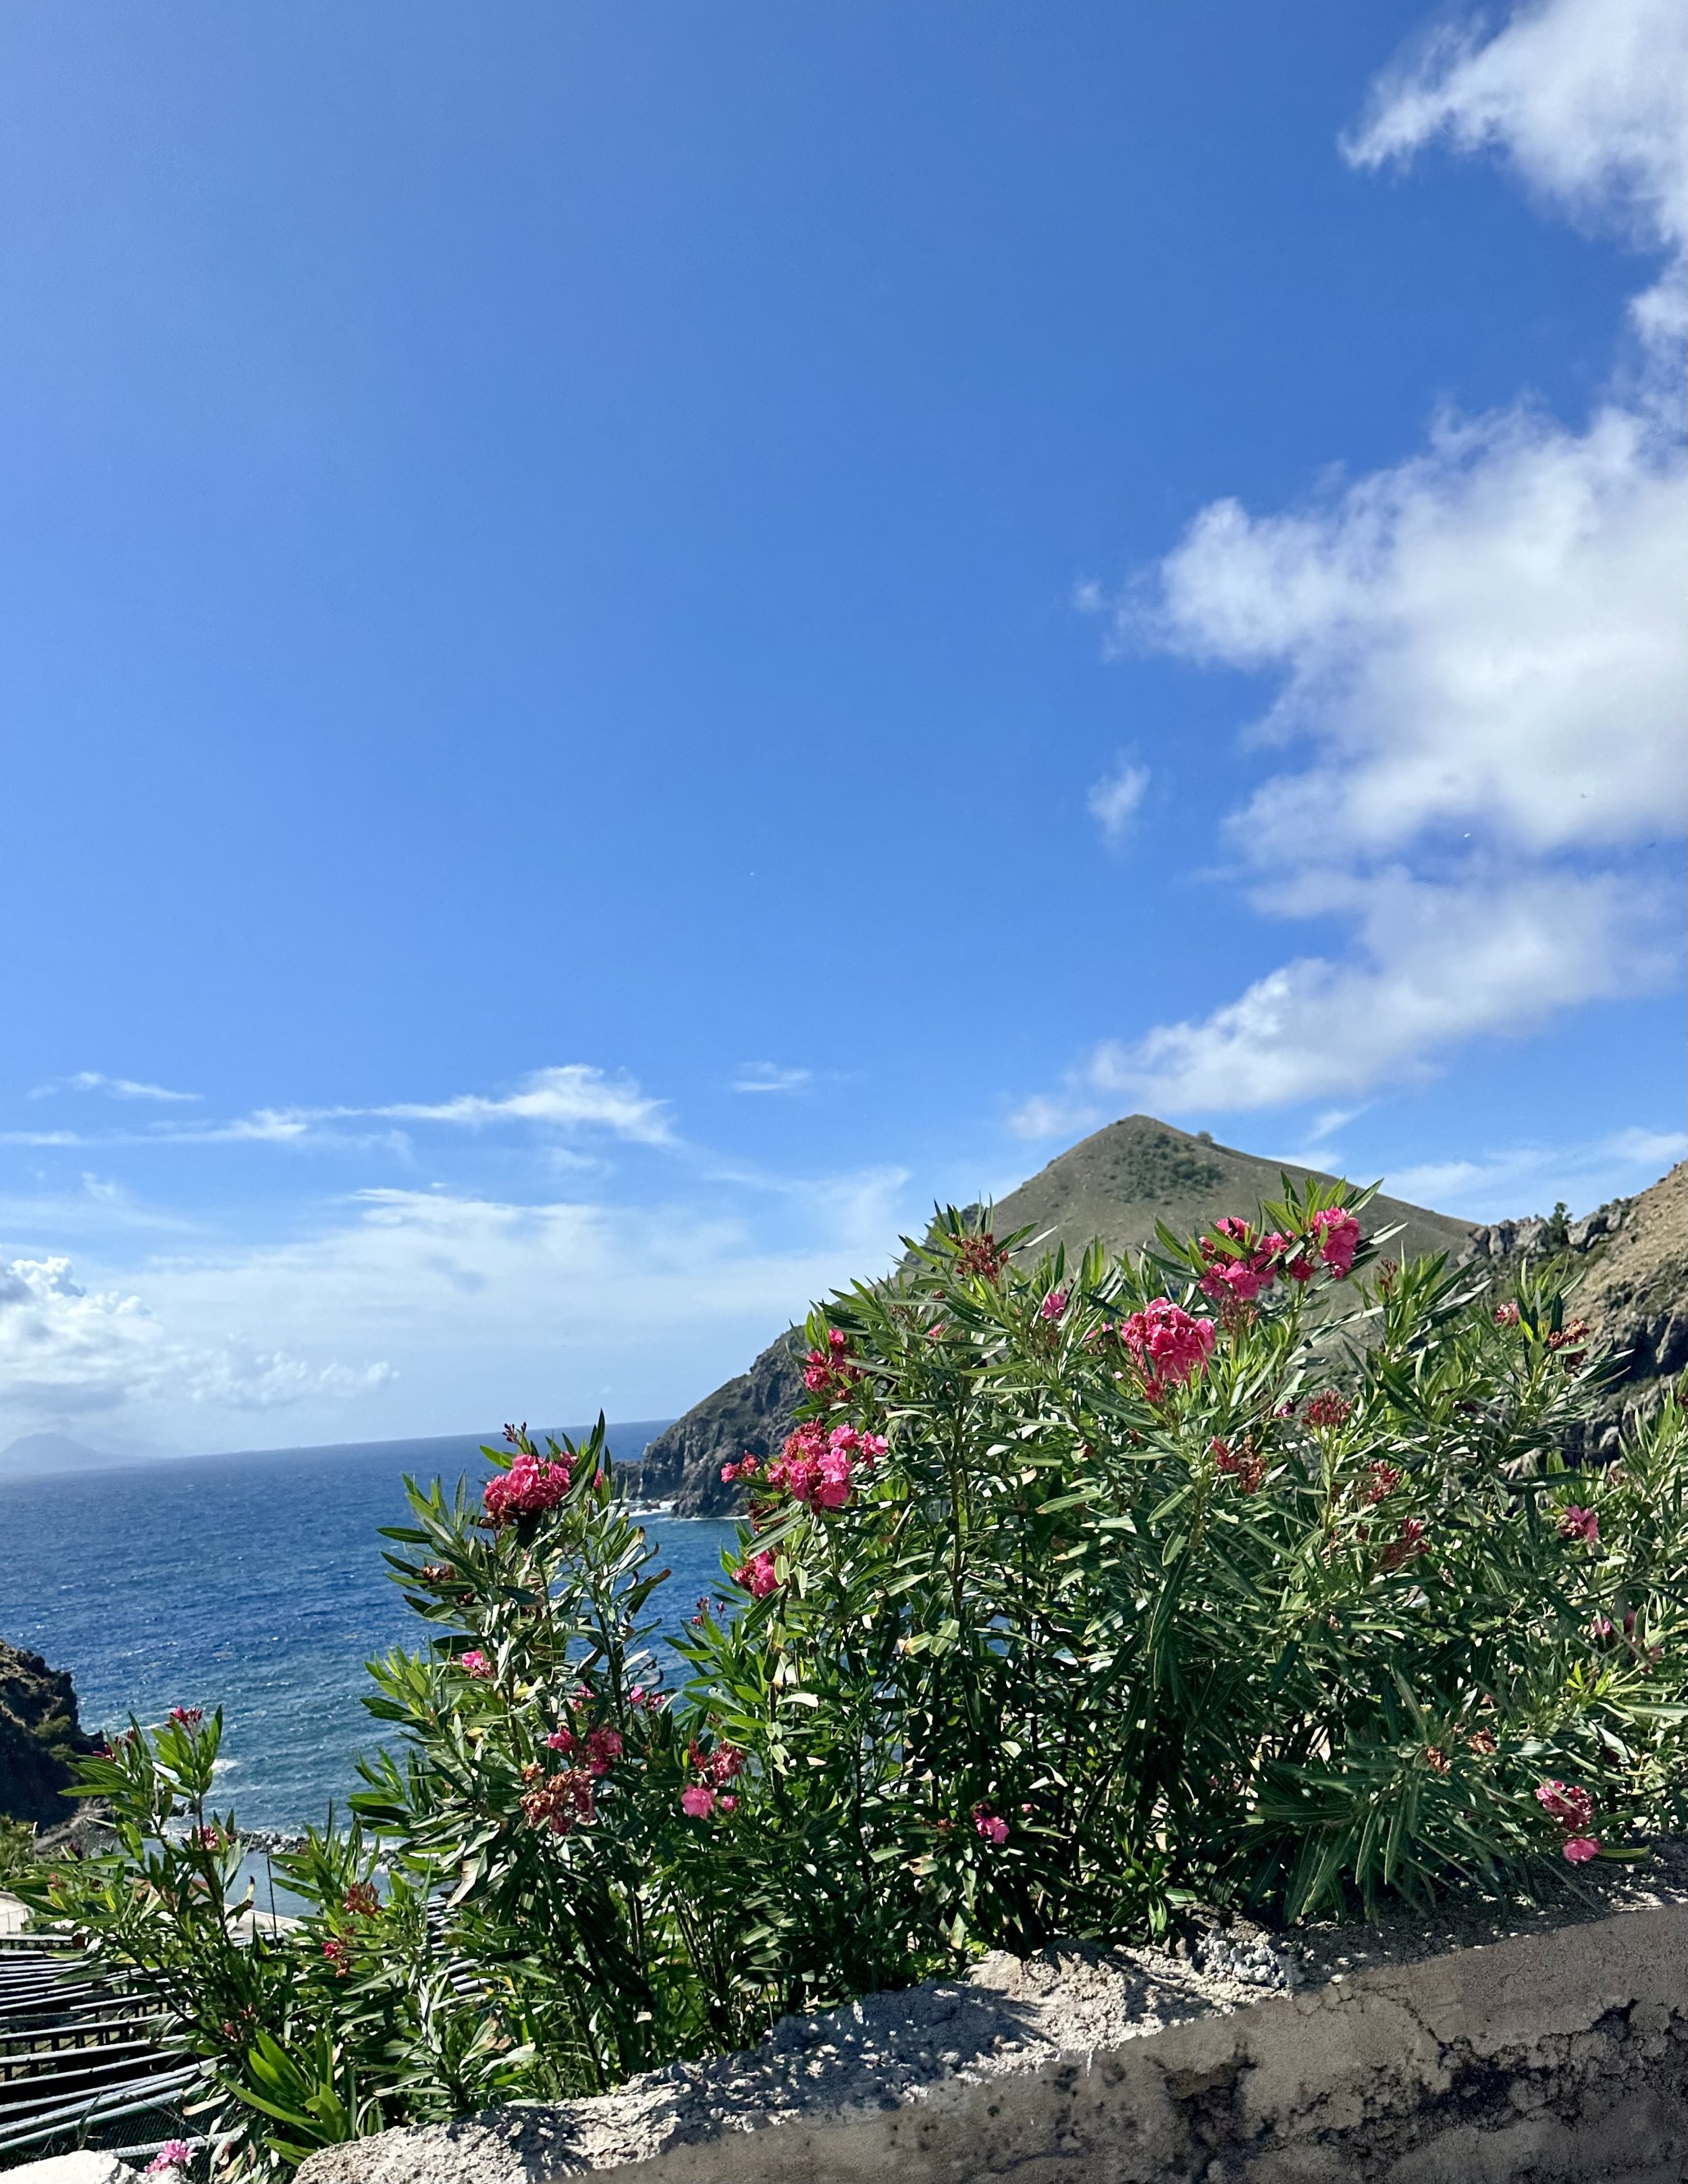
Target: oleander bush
[[1248, 1574]]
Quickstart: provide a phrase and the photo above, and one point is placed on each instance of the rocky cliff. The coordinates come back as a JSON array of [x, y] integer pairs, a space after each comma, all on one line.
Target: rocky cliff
[[1116, 1184], [1631, 1257], [41, 1738]]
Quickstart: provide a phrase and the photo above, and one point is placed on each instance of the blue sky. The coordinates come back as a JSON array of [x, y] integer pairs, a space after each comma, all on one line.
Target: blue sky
[[633, 640]]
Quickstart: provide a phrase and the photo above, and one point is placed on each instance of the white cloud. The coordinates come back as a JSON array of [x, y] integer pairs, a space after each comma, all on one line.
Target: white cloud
[[1520, 1180], [769, 1077], [1487, 638], [564, 1098], [66, 1352], [1113, 801], [1480, 652], [114, 1088], [1584, 96]]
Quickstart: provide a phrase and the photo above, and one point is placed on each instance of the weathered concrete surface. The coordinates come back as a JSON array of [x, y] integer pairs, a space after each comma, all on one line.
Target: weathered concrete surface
[[1556, 2056]]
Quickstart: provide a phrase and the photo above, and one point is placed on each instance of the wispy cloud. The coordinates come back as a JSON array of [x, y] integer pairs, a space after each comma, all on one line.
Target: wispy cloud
[[1518, 1179], [770, 1077], [114, 1088], [573, 1096], [1112, 802]]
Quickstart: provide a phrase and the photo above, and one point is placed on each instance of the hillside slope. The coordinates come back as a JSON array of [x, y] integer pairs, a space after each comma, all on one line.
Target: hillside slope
[[1632, 1258], [1116, 1185]]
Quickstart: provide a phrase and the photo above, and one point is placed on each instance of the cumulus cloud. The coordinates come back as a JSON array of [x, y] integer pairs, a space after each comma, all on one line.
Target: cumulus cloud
[[1480, 653], [1114, 800], [1584, 97], [67, 1352]]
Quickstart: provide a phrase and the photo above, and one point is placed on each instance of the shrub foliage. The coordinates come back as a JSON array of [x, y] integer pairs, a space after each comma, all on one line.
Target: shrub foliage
[[1247, 1574]]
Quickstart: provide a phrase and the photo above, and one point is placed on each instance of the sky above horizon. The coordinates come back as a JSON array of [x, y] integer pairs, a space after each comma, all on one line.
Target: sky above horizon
[[633, 642]]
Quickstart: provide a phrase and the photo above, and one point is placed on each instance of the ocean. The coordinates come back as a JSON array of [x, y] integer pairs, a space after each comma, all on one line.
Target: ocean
[[255, 1582]]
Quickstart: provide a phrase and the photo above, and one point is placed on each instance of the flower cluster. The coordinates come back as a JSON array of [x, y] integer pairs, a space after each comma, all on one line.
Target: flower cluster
[[1382, 1480], [188, 1717], [1506, 1315], [1339, 1238], [821, 1467], [531, 1485], [475, 1663], [991, 1825], [981, 1257], [1573, 1808], [1053, 1306], [338, 1955], [758, 1576], [172, 2159], [1411, 1541], [1576, 1523], [829, 1372], [362, 1899], [561, 1802], [601, 1747], [1328, 1409], [1243, 1463], [1166, 1346], [1571, 1341], [708, 1793]]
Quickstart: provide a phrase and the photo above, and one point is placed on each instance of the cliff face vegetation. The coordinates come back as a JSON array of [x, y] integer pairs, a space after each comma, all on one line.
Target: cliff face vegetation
[[41, 1739]]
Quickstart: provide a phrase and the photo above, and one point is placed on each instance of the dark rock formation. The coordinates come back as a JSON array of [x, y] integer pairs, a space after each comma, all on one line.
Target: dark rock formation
[[750, 1415], [41, 1738]]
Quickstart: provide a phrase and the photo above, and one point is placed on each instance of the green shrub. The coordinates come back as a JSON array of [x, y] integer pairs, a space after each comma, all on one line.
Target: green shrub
[[1078, 1596]]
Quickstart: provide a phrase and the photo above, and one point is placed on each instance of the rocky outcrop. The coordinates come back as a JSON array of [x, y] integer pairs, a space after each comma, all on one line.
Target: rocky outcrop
[[750, 1415], [41, 1738], [1630, 1257]]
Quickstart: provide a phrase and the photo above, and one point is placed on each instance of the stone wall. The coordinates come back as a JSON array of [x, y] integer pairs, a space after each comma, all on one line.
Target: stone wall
[[1551, 2048]]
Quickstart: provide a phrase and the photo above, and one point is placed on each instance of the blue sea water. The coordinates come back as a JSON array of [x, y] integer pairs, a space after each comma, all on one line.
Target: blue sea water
[[255, 1582]]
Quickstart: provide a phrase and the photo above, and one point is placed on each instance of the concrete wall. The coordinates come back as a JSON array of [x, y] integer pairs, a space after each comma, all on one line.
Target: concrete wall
[[1557, 2056]]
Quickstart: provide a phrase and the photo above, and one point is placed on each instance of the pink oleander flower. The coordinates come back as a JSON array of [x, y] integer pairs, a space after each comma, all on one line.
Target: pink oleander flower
[[561, 1739], [697, 1801], [757, 1576], [1382, 1481], [990, 1826], [187, 1717], [1166, 1346], [1577, 1850], [1579, 1525], [829, 1372], [475, 1663], [175, 2155], [1506, 1315], [1300, 1268], [1572, 1806], [726, 1803], [726, 1763], [531, 1485], [819, 1467], [603, 1747], [206, 1838], [1339, 1238], [1602, 1628], [338, 1954], [1328, 1408], [1053, 1305]]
